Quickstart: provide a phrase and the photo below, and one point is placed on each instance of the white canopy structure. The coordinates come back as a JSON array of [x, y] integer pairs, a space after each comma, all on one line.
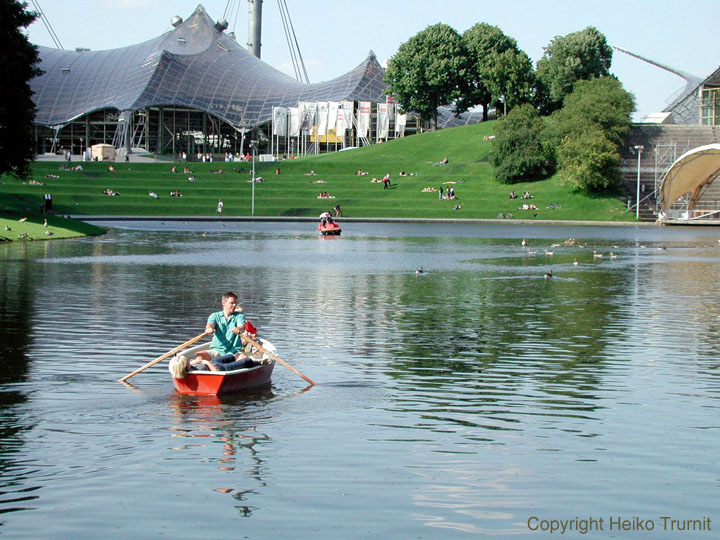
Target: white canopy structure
[[691, 173]]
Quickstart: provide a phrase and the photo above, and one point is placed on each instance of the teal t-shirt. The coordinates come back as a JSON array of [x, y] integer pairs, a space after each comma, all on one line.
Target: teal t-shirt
[[224, 340]]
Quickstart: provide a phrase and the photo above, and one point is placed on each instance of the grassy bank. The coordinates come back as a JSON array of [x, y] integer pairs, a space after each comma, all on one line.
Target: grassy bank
[[295, 193], [23, 226]]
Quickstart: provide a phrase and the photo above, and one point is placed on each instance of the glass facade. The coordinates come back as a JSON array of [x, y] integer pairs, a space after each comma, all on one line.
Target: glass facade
[[710, 107]]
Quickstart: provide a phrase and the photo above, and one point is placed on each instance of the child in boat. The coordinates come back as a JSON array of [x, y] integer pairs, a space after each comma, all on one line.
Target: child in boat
[[228, 362], [181, 365]]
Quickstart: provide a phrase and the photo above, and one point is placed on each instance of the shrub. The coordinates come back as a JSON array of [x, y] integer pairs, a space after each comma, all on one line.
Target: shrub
[[517, 153]]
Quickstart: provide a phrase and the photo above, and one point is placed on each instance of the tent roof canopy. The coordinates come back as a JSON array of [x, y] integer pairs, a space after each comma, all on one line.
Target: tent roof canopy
[[689, 174], [194, 65]]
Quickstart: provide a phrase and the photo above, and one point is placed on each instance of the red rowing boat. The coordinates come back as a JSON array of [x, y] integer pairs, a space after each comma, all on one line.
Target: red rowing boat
[[222, 382], [329, 228]]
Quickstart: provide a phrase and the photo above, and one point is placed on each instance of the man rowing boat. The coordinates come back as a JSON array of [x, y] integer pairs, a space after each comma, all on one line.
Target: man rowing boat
[[226, 348], [227, 327]]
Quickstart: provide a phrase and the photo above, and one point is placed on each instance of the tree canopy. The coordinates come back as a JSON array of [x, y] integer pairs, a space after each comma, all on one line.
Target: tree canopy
[[483, 42], [426, 71], [17, 109], [577, 56], [510, 79], [588, 131]]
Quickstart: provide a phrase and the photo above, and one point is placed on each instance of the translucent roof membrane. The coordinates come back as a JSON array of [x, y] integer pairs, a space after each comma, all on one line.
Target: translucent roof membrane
[[195, 66]]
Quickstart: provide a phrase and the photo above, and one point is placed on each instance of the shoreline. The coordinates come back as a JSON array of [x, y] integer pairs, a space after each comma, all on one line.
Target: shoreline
[[303, 219]]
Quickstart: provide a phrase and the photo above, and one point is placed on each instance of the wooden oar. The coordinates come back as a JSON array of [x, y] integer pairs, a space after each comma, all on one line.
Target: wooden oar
[[276, 358], [164, 356]]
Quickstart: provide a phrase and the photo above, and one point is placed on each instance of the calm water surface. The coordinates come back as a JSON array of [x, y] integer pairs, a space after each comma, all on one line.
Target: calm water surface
[[459, 403]]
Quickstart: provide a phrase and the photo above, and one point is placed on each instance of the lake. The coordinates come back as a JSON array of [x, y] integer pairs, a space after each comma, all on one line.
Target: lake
[[477, 399]]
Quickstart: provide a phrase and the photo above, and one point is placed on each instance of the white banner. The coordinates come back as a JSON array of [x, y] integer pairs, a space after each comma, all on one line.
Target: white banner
[[341, 123], [279, 121], [363, 118], [312, 108], [294, 122], [383, 121], [400, 123], [322, 118], [305, 118], [347, 108], [332, 114]]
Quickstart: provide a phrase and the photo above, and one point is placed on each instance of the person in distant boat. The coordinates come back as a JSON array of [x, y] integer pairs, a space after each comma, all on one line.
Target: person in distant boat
[[324, 217], [227, 327]]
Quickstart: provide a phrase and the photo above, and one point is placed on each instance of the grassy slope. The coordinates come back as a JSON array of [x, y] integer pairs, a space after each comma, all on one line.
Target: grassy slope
[[293, 193], [12, 229]]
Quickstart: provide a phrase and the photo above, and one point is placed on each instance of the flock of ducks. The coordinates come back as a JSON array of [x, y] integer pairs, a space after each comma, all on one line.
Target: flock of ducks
[[550, 252], [572, 242], [48, 232]]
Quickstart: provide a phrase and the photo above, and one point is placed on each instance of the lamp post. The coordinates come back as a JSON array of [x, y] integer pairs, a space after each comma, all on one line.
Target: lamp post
[[253, 145], [639, 148]]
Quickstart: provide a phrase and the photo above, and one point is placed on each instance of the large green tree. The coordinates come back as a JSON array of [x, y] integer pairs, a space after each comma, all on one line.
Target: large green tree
[[483, 43], [426, 71], [510, 78], [577, 56], [588, 132], [18, 58]]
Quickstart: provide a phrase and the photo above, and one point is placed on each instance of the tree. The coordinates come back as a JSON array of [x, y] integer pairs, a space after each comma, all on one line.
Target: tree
[[482, 41], [587, 134], [589, 162], [598, 103], [510, 78], [425, 71], [518, 153], [578, 56], [17, 109], [602, 102]]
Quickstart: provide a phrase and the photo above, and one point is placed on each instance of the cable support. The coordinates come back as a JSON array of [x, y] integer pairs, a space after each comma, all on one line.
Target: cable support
[[297, 45], [293, 46], [47, 24]]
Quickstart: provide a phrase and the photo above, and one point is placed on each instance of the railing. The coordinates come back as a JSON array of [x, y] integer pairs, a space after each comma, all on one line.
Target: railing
[[703, 216], [645, 198]]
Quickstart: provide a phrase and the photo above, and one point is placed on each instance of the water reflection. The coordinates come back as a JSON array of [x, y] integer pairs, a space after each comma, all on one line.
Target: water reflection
[[462, 400], [220, 424]]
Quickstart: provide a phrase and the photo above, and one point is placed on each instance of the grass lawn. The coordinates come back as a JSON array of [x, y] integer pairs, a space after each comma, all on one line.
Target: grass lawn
[[294, 192], [17, 226]]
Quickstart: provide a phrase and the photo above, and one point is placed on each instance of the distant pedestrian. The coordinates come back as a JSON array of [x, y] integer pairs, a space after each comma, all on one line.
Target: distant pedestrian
[[386, 181], [440, 193], [219, 207]]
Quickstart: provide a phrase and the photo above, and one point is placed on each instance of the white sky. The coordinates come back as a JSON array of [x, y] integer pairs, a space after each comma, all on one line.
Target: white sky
[[336, 35]]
